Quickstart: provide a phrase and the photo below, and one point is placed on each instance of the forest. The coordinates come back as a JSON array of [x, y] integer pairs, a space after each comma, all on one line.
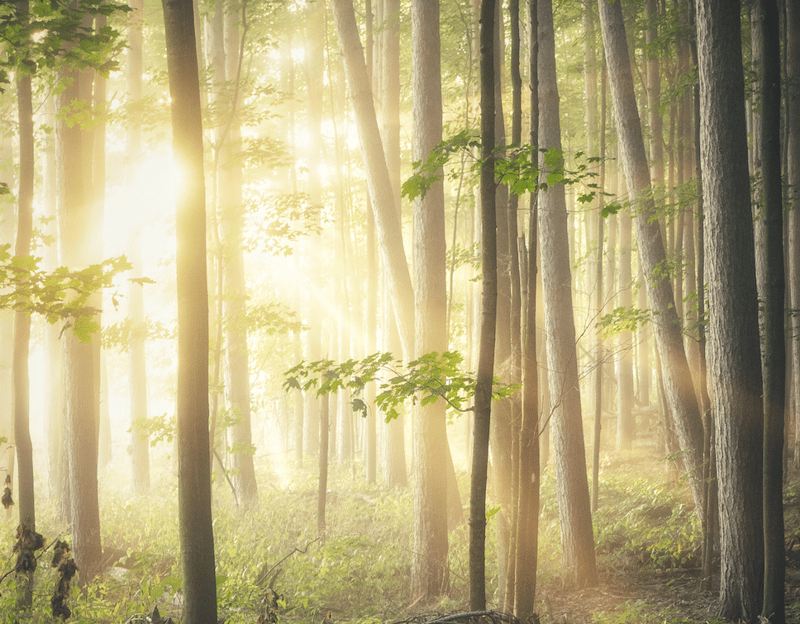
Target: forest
[[282, 279]]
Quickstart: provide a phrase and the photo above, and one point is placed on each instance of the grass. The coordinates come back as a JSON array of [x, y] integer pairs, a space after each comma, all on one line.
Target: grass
[[361, 572]]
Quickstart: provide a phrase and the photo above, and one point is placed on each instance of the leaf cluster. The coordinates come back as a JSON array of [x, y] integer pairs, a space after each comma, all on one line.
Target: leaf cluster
[[426, 379], [277, 220], [60, 295], [53, 34], [517, 166], [121, 335], [623, 319]]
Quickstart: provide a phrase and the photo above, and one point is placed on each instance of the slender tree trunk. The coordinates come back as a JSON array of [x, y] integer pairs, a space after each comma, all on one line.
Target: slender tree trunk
[[483, 388], [774, 609], [194, 470], [322, 490], [232, 225], [515, 311], [625, 420], [793, 181], [140, 443], [22, 320], [577, 540], [54, 362], [600, 296], [527, 556], [387, 218], [675, 370]]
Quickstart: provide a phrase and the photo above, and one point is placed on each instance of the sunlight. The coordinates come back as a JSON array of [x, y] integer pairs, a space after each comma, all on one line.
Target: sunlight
[[144, 202]]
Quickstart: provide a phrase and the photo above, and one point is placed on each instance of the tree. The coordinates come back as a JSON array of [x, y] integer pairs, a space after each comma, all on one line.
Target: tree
[[77, 236], [140, 444], [774, 348], [577, 541], [527, 539], [666, 327], [194, 470], [430, 434], [733, 346], [793, 182], [387, 218], [22, 320], [232, 225], [483, 389]]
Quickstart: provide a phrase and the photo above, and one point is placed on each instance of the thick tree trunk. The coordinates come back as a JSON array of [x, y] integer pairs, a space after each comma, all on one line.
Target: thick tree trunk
[[430, 434], [77, 241], [194, 470], [666, 324], [734, 358]]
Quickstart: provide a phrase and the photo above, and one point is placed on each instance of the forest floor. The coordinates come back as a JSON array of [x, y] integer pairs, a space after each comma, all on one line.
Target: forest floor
[[638, 586], [646, 534]]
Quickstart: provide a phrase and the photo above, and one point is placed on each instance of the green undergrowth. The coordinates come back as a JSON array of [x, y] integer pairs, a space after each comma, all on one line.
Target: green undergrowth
[[644, 524], [269, 555]]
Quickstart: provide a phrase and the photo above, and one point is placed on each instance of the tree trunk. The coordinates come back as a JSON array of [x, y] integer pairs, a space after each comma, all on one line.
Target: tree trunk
[[793, 181], [483, 387], [77, 240], [666, 324], [774, 609], [577, 541], [232, 225], [22, 319], [140, 442], [527, 557], [515, 311], [54, 362], [387, 219], [430, 435], [194, 470], [625, 419], [734, 358], [322, 487]]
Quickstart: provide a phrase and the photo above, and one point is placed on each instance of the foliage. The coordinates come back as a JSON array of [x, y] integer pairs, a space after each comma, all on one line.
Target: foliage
[[622, 319], [278, 220], [273, 318], [60, 295], [432, 376], [515, 165], [54, 34], [120, 335], [157, 429], [647, 526]]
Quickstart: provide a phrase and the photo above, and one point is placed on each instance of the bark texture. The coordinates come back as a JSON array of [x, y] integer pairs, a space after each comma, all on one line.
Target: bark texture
[[569, 456], [194, 470], [677, 379], [430, 433], [733, 341]]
